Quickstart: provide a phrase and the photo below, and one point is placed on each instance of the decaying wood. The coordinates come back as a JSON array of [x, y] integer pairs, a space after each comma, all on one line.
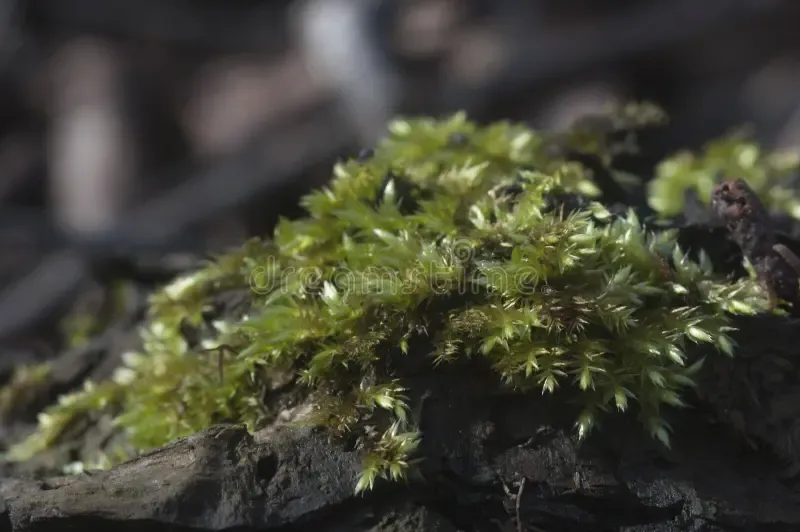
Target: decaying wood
[[752, 229]]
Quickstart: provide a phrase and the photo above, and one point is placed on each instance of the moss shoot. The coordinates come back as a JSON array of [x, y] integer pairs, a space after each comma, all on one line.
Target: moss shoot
[[448, 235]]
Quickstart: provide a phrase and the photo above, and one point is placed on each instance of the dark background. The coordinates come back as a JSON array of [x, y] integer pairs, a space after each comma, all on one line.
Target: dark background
[[139, 135]]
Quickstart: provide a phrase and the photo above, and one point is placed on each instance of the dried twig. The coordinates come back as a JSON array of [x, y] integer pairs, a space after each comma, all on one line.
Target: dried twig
[[518, 502]]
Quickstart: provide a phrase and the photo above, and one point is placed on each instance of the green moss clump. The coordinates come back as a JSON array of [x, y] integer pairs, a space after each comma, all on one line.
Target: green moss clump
[[442, 238], [734, 155]]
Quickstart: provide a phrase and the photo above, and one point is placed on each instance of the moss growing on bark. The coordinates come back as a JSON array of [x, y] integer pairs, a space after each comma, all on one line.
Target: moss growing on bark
[[766, 172], [469, 238]]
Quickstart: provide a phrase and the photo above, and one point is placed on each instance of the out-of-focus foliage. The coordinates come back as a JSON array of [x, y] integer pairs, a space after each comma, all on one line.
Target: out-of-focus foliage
[[26, 382]]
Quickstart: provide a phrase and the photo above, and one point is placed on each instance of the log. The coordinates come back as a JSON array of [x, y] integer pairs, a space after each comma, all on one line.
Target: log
[[491, 461]]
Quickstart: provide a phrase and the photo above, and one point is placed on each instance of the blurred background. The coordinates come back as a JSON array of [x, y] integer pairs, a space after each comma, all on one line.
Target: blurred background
[[136, 136]]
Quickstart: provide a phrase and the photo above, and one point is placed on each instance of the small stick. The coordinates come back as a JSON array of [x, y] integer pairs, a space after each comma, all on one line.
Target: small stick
[[518, 502], [751, 228], [220, 351]]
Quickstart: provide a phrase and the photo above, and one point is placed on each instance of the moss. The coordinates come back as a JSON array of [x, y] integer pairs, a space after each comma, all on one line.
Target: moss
[[93, 313], [26, 383], [766, 172], [447, 236], [77, 328]]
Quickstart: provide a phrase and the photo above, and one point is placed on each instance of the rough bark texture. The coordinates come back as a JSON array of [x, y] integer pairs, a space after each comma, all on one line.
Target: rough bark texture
[[752, 229], [478, 446]]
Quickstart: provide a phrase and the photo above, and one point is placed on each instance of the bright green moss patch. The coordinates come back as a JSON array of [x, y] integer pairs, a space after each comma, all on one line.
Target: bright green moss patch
[[765, 172], [447, 237]]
